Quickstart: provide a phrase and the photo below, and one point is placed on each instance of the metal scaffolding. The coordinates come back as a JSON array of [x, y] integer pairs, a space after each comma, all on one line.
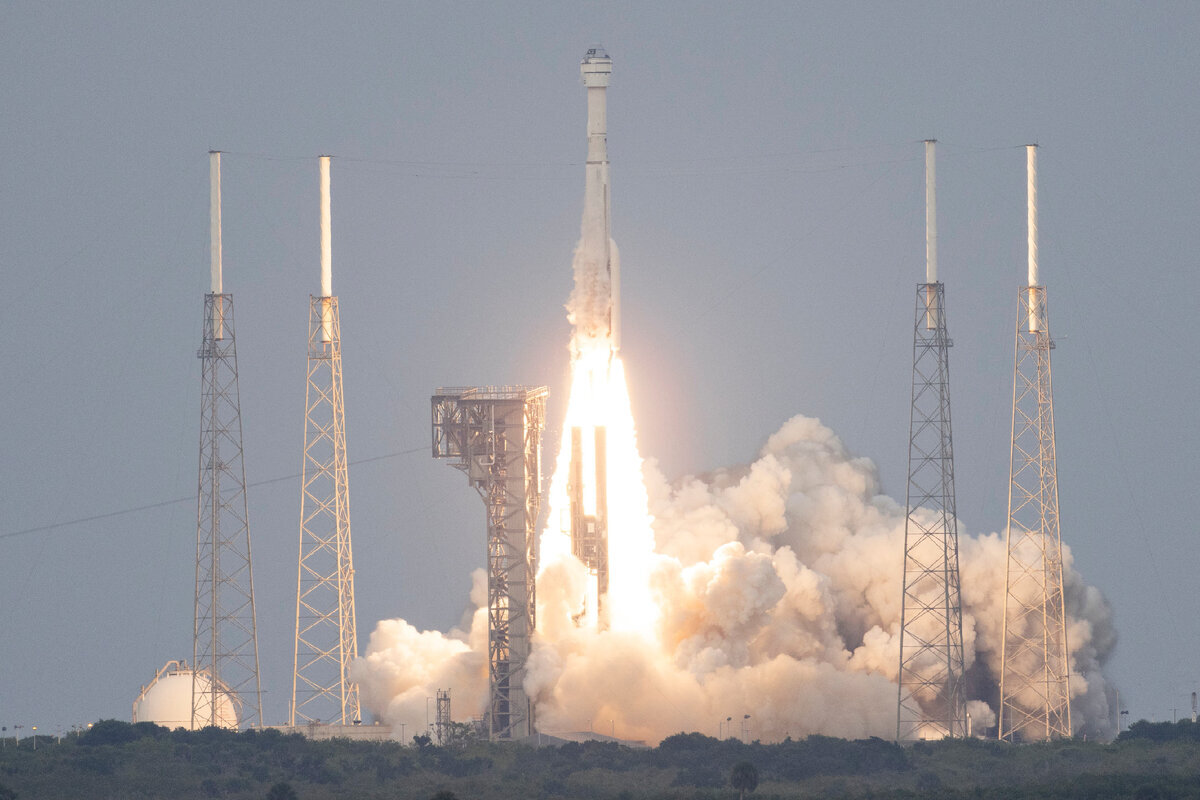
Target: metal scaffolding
[[442, 724], [494, 435], [931, 698], [326, 642], [225, 638], [1034, 681]]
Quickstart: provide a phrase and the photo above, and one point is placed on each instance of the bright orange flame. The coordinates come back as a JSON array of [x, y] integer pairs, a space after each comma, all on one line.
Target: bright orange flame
[[599, 396]]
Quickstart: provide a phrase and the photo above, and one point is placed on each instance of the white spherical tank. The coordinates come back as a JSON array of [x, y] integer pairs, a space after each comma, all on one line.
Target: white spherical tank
[[167, 700]]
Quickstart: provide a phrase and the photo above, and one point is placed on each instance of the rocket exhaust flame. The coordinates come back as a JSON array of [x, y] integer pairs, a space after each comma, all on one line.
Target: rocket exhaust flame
[[589, 531]]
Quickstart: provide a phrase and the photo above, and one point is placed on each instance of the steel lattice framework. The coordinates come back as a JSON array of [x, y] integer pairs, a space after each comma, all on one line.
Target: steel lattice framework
[[494, 435], [931, 699], [441, 727], [225, 641], [1034, 681], [326, 641]]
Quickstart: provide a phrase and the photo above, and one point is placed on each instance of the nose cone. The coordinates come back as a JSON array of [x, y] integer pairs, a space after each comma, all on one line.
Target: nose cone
[[596, 67]]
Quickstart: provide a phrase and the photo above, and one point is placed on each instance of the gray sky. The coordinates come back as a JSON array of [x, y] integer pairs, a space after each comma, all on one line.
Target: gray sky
[[768, 200]]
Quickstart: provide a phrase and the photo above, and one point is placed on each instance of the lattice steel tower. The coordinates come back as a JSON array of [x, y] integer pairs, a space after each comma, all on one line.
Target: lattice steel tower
[[441, 727], [494, 435], [931, 701], [326, 641], [226, 690], [1034, 682]]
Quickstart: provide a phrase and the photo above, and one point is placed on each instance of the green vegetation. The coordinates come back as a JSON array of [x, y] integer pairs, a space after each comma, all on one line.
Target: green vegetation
[[118, 760], [744, 778]]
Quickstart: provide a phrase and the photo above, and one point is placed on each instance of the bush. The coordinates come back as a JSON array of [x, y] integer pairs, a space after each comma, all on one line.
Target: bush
[[112, 731]]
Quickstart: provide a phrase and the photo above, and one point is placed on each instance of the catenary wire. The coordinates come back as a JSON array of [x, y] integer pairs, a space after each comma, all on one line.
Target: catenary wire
[[174, 501]]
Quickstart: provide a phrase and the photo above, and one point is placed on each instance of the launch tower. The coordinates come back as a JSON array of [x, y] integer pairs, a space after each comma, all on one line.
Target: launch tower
[[326, 642], [494, 435], [1034, 680], [931, 702], [225, 637]]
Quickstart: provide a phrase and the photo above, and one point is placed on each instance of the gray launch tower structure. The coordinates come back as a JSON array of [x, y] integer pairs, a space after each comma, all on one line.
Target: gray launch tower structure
[[326, 642], [494, 435], [931, 698], [1035, 681], [226, 690]]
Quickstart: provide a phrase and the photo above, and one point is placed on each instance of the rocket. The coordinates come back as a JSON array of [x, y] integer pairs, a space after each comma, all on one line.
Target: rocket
[[596, 70], [598, 269]]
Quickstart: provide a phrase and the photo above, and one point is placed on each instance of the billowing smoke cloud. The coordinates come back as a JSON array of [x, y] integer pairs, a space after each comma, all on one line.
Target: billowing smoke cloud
[[778, 587], [404, 666]]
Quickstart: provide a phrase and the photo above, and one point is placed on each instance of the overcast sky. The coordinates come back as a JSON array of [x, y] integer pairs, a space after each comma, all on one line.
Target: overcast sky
[[767, 196]]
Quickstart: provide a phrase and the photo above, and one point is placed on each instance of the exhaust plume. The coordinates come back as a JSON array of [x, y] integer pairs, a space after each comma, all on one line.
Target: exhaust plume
[[777, 592]]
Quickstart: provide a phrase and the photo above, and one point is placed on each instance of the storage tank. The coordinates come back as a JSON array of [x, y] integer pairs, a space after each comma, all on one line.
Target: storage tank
[[167, 700]]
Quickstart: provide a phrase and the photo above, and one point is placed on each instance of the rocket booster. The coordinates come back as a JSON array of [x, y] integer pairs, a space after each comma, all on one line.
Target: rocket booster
[[596, 70]]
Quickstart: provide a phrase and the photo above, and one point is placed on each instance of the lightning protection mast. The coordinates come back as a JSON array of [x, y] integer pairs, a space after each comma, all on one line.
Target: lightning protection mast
[[1034, 681], [494, 435], [226, 691], [931, 702], [326, 642]]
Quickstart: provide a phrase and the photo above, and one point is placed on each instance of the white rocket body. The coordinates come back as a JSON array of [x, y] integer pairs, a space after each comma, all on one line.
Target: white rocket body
[[596, 70]]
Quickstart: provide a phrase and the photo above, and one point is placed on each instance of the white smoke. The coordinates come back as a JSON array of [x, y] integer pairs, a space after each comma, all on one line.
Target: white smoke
[[590, 306], [778, 586], [404, 667]]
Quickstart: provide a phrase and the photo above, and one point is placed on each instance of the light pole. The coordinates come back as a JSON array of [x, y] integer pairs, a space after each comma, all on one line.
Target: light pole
[[35, 737], [402, 733], [746, 729]]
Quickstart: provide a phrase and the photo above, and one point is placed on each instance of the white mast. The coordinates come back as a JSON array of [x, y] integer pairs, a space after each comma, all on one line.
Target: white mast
[[931, 276], [326, 250], [1035, 283], [214, 217], [214, 238], [931, 271]]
